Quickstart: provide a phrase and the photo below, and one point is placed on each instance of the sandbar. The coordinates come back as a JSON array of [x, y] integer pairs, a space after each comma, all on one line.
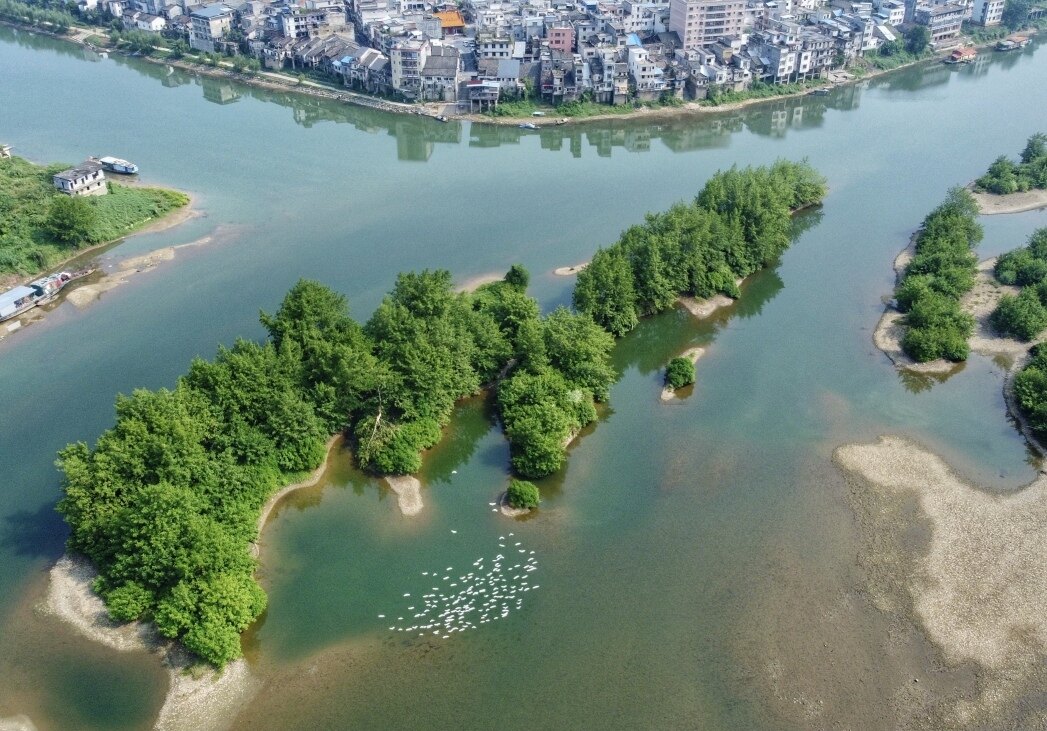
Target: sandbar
[[990, 204], [408, 493], [571, 270], [474, 283], [692, 355], [17, 723], [976, 579], [981, 588], [199, 696]]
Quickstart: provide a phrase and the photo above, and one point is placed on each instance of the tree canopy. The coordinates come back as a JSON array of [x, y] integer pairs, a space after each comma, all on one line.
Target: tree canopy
[[1005, 176], [941, 271]]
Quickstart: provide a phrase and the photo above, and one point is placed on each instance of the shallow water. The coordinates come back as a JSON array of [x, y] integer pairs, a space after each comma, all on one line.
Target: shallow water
[[696, 559]]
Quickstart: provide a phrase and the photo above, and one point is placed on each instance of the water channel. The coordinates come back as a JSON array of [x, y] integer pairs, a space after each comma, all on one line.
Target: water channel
[[696, 560]]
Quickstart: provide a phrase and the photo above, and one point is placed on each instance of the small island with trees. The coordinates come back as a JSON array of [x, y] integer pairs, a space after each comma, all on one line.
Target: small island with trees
[[1011, 187], [167, 503], [41, 227]]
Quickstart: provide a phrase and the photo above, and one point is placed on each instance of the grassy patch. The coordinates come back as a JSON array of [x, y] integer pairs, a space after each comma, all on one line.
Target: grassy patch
[[759, 90], [26, 193]]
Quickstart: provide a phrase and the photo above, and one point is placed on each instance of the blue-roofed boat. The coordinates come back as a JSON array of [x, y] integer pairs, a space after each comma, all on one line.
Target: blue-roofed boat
[[40, 291]]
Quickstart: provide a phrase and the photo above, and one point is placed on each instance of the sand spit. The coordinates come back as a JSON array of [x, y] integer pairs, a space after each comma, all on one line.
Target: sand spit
[[125, 269], [571, 270], [474, 283], [977, 586], [990, 204], [198, 697], [692, 355], [408, 493], [702, 308], [16, 723]]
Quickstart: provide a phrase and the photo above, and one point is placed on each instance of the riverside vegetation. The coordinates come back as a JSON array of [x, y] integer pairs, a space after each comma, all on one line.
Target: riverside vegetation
[[679, 373], [168, 500], [1023, 316], [40, 226], [1005, 176], [941, 271]]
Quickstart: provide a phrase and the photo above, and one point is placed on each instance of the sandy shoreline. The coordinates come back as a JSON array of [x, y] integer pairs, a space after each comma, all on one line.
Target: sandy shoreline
[[199, 697], [990, 204], [571, 270], [509, 511], [474, 283], [978, 587]]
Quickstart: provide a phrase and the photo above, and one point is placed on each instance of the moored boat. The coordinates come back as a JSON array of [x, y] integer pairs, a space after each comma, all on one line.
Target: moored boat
[[116, 165], [40, 291]]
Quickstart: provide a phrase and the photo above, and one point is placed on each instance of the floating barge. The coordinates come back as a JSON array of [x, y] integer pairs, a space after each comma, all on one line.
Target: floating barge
[[15, 301], [116, 165], [962, 55], [1012, 43]]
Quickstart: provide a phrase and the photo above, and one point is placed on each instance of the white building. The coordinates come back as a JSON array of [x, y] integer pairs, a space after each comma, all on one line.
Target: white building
[[207, 25], [87, 178], [987, 12], [702, 22]]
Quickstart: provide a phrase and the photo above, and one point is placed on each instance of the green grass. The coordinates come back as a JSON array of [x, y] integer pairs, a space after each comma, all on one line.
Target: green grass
[[26, 192], [577, 109], [759, 90]]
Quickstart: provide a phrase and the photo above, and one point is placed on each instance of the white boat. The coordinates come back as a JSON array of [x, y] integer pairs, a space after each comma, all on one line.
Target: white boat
[[116, 165], [40, 291], [528, 125]]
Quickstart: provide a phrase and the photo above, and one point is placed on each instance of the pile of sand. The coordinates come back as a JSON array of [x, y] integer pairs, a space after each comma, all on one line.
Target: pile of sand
[[408, 493]]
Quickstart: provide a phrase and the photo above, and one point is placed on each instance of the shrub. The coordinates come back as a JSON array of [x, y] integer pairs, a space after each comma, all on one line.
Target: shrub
[[1022, 317], [523, 494], [679, 373]]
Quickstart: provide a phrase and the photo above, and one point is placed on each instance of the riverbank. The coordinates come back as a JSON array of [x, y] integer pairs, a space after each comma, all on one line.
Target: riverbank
[[693, 355], [275, 81], [990, 204], [970, 571]]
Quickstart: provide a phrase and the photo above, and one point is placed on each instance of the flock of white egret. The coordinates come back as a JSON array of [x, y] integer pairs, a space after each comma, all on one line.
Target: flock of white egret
[[459, 601]]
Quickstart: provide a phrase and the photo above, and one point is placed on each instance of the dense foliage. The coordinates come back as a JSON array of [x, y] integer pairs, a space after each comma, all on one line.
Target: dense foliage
[[52, 19], [739, 223], [1023, 316], [1005, 176], [522, 494], [40, 226], [679, 373], [941, 271], [1030, 391]]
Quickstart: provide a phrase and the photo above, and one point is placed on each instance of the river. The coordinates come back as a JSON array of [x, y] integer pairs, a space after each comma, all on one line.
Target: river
[[696, 560]]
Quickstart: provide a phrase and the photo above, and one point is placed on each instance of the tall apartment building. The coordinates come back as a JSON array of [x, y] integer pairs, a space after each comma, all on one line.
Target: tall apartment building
[[987, 12], [701, 22]]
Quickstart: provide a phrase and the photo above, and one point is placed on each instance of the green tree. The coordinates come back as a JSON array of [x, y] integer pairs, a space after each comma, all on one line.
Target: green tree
[[679, 373], [917, 38], [1022, 317], [523, 494], [518, 277], [606, 292], [1035, 148], [1016, 13], [70, 220]]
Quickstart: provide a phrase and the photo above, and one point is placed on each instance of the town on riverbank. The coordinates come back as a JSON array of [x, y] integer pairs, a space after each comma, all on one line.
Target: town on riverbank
[[542, 61]]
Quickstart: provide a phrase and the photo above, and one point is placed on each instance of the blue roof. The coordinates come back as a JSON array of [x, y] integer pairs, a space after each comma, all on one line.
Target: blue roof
[[633, 40], [8, 298], [212, 11]]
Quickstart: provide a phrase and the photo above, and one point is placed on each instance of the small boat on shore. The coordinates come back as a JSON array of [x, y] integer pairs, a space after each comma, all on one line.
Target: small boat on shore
[[961, 55], [1012, 43], [528, 125], [116, 165], [818, 92], [38, 292]]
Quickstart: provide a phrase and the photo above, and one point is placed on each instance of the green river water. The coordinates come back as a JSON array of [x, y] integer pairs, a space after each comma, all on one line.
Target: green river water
[[696, 560]]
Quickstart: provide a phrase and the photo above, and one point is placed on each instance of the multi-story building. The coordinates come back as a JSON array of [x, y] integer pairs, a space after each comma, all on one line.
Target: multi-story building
[[987, 12], [561, 37], [407, 59], [207, 25], [943, 21], [701, 22]]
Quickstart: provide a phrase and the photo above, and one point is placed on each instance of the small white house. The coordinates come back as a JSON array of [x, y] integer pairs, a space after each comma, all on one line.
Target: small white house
[[87, 178], [150, 23]]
